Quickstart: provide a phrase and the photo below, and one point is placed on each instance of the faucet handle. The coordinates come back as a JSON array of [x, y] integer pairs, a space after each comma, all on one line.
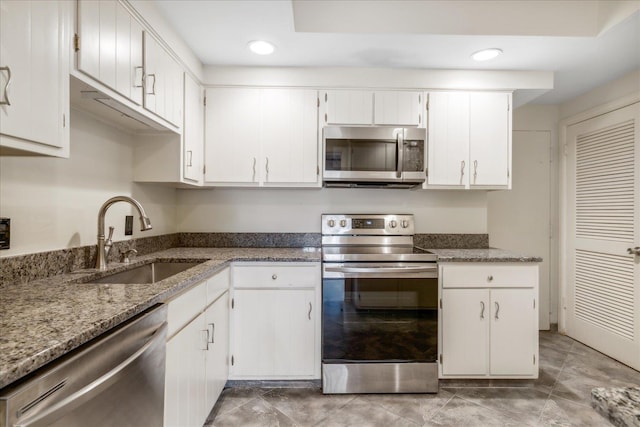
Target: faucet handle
[[126, 254]]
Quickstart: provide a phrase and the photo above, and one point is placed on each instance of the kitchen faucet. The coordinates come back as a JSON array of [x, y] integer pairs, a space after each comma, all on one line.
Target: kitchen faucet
[[105, 247]]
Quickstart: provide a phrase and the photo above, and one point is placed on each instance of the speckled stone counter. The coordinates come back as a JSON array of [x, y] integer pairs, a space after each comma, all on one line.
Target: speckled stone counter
[[481, 255], [621, 406], [44, 319]]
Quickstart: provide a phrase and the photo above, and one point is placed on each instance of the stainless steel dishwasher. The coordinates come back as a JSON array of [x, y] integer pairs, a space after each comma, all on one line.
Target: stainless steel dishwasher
[[116, 379]]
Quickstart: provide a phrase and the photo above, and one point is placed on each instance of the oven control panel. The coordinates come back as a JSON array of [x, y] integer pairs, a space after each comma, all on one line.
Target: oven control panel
[[374, 224]]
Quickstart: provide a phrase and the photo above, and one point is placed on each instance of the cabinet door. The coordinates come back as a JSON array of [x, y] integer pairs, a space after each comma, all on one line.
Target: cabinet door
[[289, 136], [348, 107], [232, 141], [128, 60], [448, 146], [274, 333], [217, 368], [34, 77], [465, 331], [193, 130], [490, 138], [399, 108], [514, 331], [163, 82], [184, 400]]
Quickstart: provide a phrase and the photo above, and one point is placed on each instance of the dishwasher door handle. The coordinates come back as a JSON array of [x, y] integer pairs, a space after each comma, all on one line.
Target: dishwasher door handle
[[92, 389]]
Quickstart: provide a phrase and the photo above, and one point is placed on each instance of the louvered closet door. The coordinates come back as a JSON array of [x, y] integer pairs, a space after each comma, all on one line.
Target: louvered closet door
[[603, 278]]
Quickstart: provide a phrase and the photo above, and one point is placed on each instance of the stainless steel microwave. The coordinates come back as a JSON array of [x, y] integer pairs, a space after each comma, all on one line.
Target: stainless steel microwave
[[373, 156]]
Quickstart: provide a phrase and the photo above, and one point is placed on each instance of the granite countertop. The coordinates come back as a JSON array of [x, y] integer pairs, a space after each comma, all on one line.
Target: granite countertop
[[481, 255], [44, 319]]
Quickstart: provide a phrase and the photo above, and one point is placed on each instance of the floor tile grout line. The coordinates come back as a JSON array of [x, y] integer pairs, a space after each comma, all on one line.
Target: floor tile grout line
[[278, 410], [509, 415], [440, 408]]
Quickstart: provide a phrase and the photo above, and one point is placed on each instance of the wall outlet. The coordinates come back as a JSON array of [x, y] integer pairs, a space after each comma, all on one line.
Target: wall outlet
[[5, 233], [128, 225]]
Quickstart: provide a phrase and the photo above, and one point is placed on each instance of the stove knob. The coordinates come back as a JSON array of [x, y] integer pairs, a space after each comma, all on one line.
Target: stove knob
[[405, 223], [331, 223], [343, 223], [393, 223]]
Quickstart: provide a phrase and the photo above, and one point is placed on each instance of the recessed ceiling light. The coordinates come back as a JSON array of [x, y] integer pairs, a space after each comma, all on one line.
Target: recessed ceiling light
[[261, 47], [486, 54]]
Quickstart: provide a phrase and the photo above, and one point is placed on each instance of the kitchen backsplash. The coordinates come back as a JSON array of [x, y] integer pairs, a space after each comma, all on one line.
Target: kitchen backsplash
[[25, 268]]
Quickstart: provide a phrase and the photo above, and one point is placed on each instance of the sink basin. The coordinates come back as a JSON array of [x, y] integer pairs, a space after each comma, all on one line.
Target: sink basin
[[148, 273]]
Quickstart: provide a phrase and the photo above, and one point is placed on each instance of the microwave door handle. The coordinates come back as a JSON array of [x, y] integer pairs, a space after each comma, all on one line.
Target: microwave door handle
[[400, 144]]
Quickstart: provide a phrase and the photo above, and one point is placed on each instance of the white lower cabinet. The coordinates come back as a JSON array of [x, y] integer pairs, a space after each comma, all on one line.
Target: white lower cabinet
[[197, 365], [276, 321], [489, 321]]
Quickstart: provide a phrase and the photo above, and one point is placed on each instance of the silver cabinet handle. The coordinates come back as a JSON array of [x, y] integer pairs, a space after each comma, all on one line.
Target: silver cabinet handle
[[634, 251], [266, 168], [206, 339], [490, 278], [497, 309], [138, 72], [482, 309], [190, 162], [6, 86], [274, 277], [462, 165], [254, 170], [475, 170], [310, 308], [212, 336], [153, 86]]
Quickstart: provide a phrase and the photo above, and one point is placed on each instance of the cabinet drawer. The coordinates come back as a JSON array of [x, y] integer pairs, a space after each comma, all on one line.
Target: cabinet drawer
[[489, 276], [217, 284], [185, 307], [276, 276]]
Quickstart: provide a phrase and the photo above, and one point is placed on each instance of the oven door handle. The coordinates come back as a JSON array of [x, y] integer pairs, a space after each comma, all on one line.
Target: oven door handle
[[421, 269]]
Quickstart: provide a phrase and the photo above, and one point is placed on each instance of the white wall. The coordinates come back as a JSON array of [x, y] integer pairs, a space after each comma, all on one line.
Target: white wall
[[53, 203], [282, 210]]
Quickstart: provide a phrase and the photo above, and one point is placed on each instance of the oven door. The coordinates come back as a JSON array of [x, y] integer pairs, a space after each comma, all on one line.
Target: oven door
[[379, 320]]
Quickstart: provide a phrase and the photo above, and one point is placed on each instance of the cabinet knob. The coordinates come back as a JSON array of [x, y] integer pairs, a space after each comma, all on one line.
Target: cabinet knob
[[274, 276], [490, 278]]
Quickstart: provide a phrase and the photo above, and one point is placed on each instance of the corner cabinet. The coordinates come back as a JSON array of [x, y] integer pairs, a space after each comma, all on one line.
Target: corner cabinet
[[262, 137], [275, 321], [365, 107], [197, 364], [34, 77], [469, 140], [488, 320]]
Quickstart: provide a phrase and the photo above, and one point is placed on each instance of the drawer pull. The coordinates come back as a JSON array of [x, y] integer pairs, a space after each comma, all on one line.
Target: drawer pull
[[490, 278], [274, 276], [482, 309], [497, 310]]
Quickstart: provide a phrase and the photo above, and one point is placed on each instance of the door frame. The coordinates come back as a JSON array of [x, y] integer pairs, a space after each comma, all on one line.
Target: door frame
[[564, 124]]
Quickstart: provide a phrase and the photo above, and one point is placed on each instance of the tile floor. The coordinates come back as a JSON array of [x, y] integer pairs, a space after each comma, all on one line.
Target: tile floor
[[560, 397]]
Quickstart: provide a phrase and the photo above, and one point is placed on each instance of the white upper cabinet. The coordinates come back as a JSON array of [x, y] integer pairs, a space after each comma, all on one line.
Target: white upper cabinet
[[193, 131], [490, 139], [366, 107], [469, 140], [348, 107], [163, 92], [261, 137], [110, 47], [400, 108], [34, 77], [448, 139], [232, 144]]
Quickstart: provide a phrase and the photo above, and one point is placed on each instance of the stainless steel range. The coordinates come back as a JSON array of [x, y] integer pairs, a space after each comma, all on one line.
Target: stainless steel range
[[379, 307]]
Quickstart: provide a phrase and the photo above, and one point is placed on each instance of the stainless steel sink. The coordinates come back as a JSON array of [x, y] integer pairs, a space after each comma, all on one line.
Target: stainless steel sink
[[148, 273]]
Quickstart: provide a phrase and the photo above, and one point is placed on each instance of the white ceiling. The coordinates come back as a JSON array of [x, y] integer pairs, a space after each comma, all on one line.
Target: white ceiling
[[585, 43]]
